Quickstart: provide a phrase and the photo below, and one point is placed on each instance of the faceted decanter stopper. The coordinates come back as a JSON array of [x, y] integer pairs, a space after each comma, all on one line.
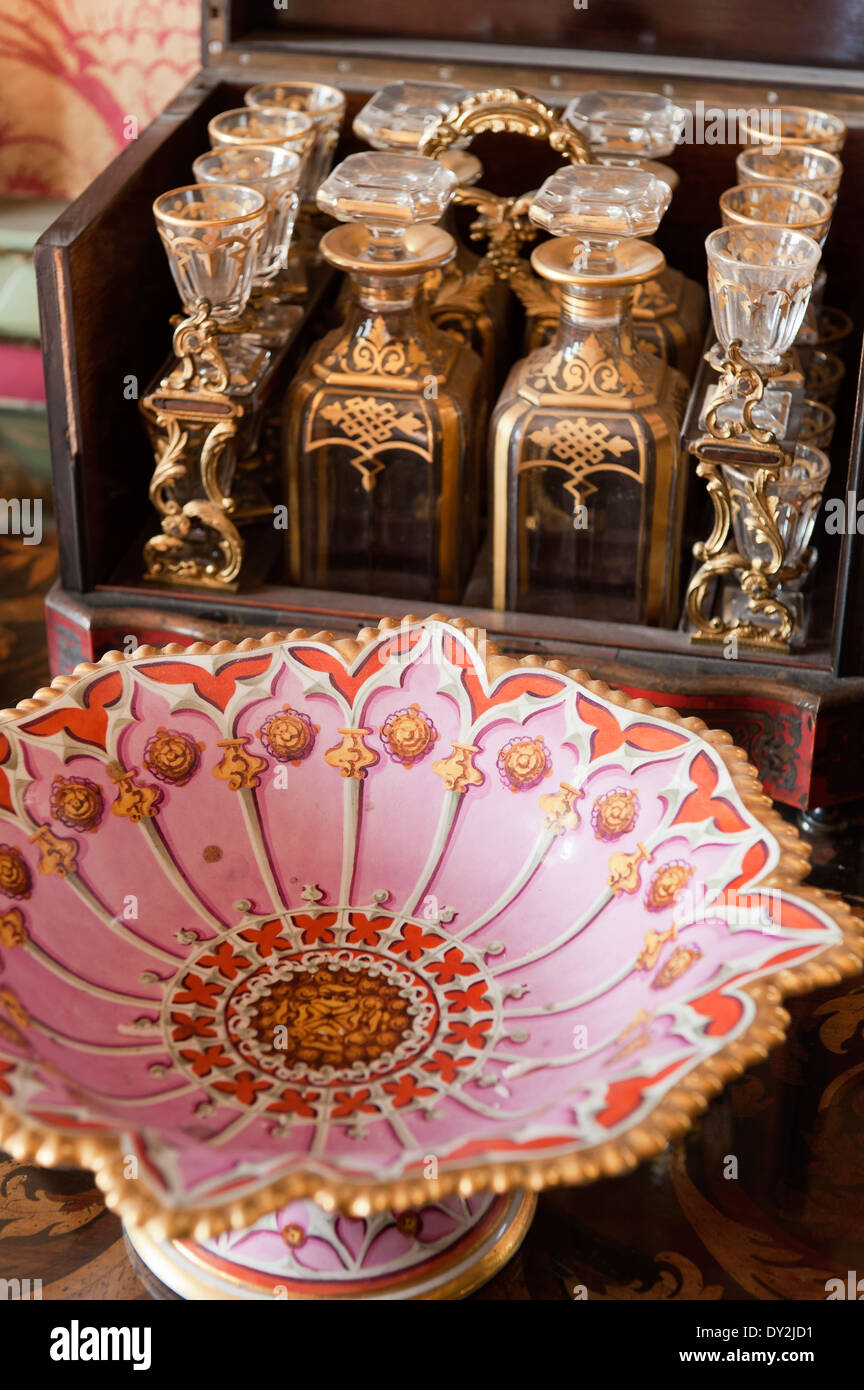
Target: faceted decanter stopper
[[398, 115], [598, 211], [389, 194], [627, 127], [636, 130]]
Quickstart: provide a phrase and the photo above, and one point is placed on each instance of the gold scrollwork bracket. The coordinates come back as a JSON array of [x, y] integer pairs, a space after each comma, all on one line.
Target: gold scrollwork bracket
[[718, 557], [758, 456], [196, 347], [458, 299], [505, 109], [505, 225], [504, 222], [192, 418], [742, 385]]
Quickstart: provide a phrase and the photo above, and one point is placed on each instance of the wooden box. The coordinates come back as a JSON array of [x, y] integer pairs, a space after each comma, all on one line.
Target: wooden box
[[106, 297]]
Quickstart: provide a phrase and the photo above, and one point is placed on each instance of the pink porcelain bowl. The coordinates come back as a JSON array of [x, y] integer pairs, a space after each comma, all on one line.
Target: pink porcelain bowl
[[376, 922]]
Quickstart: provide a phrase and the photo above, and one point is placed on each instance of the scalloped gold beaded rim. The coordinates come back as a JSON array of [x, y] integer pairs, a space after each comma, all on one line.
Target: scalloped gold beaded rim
[[137, 1205]]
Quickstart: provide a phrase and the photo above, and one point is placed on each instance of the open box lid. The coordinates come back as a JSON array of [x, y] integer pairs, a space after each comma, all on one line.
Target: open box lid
[[714, 38]]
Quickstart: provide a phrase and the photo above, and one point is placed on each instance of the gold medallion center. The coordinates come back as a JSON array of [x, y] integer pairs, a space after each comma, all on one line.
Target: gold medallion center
[[331, 1017]]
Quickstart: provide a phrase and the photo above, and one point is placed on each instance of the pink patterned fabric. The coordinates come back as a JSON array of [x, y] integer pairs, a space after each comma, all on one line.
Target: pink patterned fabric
[[80, 78]]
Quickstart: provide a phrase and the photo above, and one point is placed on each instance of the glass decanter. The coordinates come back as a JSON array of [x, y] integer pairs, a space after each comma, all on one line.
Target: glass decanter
[[588, 483], [464, 297], [398, 116], [638, 130], [382, 422]]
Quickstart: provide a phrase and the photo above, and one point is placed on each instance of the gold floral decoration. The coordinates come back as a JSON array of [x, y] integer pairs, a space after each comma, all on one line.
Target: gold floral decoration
[[77, 802], [172, 756], [614, 813], [680, 961], [14, 1008], [667, 884], [15, 877], [654, 943], [289, 735], [523, 762], [408, 735]]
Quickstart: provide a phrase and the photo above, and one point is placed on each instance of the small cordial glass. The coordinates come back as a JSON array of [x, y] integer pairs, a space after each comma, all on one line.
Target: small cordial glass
[[817, 424], [804, 165], [783, 204], [325, 105], [794, 497], [271, 125], [794, 125], [628, 125], [399, 115], [274, 173], [211, 233], [759, 282], [388, 193]]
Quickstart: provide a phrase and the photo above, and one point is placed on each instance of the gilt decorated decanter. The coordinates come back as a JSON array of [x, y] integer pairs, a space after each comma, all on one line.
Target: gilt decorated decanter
[[587, 479], [465, 298], [639, 130], [381, 424]]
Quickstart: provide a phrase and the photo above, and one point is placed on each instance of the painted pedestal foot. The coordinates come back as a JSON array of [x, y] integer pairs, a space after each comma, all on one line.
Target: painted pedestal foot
[[444, 1250]]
